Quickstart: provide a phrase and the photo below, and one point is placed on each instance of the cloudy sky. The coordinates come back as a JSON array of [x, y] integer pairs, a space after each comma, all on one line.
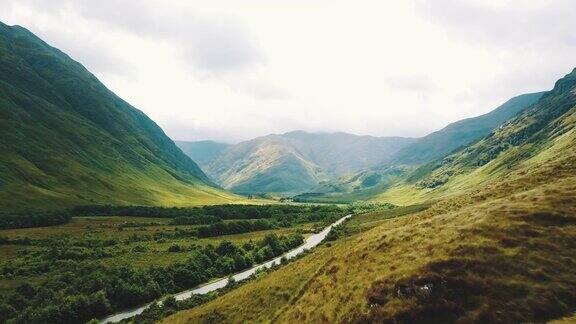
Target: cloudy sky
[[230, 70]]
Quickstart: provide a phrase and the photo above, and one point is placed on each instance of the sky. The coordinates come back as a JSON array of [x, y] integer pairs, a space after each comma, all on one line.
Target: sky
[[232, 70]]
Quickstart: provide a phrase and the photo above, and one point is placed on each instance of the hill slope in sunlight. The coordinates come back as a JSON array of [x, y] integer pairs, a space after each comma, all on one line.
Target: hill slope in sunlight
[[65, 139]]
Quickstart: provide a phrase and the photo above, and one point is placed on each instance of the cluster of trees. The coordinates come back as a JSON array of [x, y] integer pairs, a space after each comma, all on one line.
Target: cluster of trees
[[216, 213], [200, 219], [33, 219], [233, 227], [77, 287]]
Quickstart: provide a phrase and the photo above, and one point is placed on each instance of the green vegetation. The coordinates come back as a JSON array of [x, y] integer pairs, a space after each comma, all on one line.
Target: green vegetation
[[96, 264], [33, 219], [170, 305], [67, 140], [220, 220], [75, 287]]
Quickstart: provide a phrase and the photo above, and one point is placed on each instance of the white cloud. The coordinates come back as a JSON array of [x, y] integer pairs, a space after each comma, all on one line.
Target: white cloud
[[231, 70]]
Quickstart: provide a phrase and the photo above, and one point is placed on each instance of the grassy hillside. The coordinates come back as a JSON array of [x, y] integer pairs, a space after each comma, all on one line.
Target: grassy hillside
[[202, 152], [298, 161], [547, 126], [463, 132], [496, 245], [65, 139]]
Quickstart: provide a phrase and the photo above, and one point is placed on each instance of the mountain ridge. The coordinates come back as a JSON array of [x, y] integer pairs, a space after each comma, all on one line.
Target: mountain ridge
[[298, 160], [462, 132]]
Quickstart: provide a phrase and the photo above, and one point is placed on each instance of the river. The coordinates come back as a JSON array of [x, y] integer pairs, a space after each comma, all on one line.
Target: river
[[310, 242]]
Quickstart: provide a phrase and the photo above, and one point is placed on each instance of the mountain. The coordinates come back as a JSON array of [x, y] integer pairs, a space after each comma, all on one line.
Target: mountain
[[323, 165], [202, 152], [297, 161], [463, 132], [495, 245], [65, 139], [372, 181]]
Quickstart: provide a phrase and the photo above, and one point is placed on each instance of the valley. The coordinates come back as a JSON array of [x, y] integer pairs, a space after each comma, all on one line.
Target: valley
[[105, 217]]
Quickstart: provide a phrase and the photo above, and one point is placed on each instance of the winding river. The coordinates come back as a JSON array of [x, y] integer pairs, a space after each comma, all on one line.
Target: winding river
[[310, 242]]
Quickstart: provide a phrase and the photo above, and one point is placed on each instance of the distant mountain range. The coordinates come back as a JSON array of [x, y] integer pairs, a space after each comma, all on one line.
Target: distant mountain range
[[295, 161], [65, 139], [540, 134], [298, 161]]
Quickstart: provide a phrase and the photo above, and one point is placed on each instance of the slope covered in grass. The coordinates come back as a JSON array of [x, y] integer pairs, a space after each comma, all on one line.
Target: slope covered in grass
[[463, 132], [65, 139], [547, 126]]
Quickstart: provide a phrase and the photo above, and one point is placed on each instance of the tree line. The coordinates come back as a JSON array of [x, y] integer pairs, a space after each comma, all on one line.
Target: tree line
[[33, 219], [279, 215]]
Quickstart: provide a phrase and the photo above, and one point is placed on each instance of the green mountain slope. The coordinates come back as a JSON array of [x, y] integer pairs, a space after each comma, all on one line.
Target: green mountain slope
[[298, 161], [546, 126], [496, 245], [463, 132], [202, 152], [65, 139]]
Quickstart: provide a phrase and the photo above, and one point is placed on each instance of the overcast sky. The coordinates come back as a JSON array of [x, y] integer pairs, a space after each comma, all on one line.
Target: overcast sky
[[233, 70]]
